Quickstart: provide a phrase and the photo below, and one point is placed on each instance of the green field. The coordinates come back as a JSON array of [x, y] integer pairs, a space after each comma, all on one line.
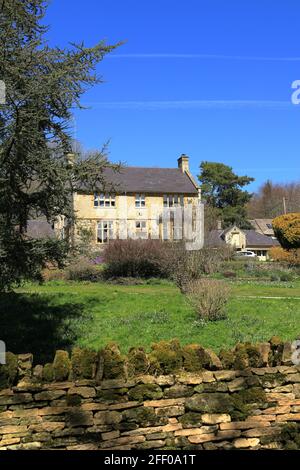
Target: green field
[[58, 314]]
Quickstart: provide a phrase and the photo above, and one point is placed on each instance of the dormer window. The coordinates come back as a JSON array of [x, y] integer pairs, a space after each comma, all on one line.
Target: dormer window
[[104, 200], [173, 200], [140, 200]]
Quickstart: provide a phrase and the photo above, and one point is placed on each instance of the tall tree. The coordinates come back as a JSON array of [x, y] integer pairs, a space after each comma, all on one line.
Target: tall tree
[[272, 200], [43, 85], [222, 189]]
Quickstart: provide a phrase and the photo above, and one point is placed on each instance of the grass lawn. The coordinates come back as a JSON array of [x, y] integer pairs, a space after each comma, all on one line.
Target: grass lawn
[[59, 314]]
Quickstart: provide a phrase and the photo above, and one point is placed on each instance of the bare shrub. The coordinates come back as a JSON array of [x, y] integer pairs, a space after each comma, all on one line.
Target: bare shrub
[[211, 259], [185, 268], [137, 258], [191, 265], [209, 298], [82, 270], [154, 258]]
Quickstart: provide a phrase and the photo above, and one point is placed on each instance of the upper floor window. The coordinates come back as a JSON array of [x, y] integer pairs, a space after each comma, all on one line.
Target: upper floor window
[[104, 200], [140, 200], [173, 200]]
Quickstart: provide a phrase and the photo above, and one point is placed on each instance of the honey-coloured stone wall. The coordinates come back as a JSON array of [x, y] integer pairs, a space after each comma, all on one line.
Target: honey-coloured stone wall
[[162, 400]]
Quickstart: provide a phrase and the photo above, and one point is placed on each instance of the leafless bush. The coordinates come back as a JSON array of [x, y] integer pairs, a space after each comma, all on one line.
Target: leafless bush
[[209, 298], [137, 258], [82, 270], [191, 265], [211, 259]]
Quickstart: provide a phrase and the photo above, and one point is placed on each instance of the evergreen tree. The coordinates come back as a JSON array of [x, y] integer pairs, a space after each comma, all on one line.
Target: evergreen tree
[[43, 84], [222, 189]]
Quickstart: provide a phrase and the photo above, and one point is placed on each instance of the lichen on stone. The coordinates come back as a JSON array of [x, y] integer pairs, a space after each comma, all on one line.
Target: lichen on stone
[[145, 392], [244, 400], [144, 416], [191, 420], [178, 390]]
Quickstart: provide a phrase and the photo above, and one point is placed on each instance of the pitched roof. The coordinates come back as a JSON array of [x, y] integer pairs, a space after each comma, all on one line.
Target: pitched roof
[[254, 238], [217, 238], [214, 238], [39, 228], [263, 226], [149, 180]]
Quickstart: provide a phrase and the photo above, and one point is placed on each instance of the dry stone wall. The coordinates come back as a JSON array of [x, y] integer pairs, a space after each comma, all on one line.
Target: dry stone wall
[[247, 398]]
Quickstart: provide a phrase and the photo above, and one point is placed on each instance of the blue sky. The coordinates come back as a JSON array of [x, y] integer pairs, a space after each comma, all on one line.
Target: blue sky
[[209, 78]]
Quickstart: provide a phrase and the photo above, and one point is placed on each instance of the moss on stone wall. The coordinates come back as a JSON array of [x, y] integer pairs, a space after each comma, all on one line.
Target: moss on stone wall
[[244, 401], [145, 392], [165, 357], [9, 371], [61, 366], [48, 372], [114, 362], [137, 361], [111, 401], [84, 363]]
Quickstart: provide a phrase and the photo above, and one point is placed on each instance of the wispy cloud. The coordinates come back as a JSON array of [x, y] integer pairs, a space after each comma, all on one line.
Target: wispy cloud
[[200, 56], [194, 104]]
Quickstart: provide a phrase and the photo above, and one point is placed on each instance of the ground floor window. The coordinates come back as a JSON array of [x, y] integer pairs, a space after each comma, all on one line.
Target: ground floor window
[[141, 228], [104, 231], [261, 252]]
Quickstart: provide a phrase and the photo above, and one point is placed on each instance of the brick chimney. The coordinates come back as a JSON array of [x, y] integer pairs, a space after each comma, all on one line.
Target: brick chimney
[[183, 163]]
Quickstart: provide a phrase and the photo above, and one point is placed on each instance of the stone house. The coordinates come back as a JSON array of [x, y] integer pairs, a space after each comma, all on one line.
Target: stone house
[[240, 239], [135, 204]]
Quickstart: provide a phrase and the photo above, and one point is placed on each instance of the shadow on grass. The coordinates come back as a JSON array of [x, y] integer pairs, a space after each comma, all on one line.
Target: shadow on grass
[[31, 323]]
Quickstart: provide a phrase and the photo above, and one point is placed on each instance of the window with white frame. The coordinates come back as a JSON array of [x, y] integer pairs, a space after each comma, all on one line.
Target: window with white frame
[[104, 231], [141, 228], [140, 200], [104, 200], [173, 200]]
